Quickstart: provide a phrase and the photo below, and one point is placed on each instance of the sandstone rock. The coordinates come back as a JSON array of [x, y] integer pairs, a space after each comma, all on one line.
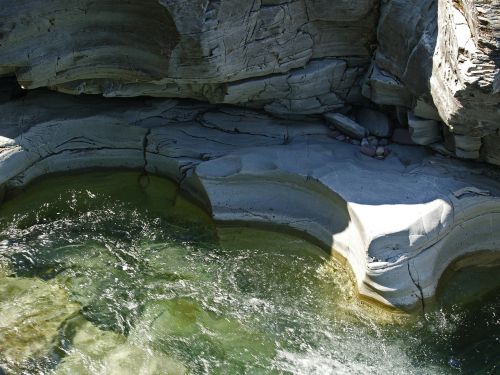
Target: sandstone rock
[[346, 125], [422, 131], [375, 122]]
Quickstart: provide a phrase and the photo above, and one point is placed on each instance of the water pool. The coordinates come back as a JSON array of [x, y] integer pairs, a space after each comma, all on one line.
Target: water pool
[[118, 273]]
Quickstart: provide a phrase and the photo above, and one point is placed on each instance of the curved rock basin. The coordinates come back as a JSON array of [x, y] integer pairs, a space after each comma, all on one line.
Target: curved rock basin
[[118, 273]]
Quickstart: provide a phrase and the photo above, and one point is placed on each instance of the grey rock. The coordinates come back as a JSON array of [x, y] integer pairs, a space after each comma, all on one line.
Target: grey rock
[[383, 88], [302, 57], [341, 138], [346, 125], [427, 110], [423, 131], [383, 142], [466, 72], [377, 123]]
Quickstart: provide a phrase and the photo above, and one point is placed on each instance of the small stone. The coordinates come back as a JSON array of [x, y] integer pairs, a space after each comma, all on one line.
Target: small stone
[[355, 142], [365, 142], [380, 151], [368, 150], [340, 137], [346, 125]]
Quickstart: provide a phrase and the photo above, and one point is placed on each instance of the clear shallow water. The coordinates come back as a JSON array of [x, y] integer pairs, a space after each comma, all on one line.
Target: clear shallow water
[[111, 273]]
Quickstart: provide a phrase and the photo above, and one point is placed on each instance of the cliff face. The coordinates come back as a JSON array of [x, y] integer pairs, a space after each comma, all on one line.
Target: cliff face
[[300, 56], [429, 60]]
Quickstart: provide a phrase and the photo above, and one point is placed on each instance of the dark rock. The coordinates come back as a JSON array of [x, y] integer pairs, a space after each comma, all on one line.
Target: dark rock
[[368, 150], [402, 136], [346, 125], [377, 123]]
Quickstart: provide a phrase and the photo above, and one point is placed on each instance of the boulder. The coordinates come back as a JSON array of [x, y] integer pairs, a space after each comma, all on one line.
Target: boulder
[[377, 123]]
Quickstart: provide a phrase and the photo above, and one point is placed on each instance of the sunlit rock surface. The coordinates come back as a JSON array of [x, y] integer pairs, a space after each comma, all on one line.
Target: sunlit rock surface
[[466, 74], [400, 222], [444, 54]]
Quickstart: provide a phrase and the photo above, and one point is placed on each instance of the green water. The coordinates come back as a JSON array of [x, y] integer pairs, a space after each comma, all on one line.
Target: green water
[[111, 273]]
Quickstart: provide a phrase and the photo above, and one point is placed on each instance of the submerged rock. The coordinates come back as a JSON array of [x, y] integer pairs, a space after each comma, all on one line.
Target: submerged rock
[[94, 351], [32, 313], [185, 320]]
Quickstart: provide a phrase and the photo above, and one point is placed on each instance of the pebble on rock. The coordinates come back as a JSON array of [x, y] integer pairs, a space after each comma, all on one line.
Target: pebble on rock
[[368, 150]]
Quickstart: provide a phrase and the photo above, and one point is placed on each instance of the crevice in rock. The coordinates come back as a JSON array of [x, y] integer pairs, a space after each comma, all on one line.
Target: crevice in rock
[[144, 177], [416, 282]]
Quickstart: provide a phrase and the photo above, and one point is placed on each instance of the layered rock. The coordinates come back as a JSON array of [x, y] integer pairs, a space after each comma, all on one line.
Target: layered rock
[[443, 55], [242, 165], [466, 73], [266, 53]]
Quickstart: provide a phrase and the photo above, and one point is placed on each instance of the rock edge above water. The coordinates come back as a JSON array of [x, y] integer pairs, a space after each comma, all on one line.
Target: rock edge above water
[[399, 222]]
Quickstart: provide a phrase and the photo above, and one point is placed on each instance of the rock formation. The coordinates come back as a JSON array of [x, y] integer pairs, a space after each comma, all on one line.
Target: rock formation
[[400, 222], [417, 72], [438, 60]]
